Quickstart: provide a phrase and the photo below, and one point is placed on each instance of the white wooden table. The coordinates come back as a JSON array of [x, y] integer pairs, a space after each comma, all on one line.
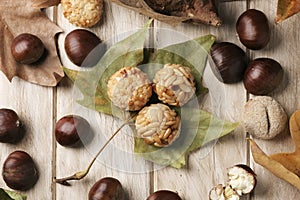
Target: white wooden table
[[40, 107]]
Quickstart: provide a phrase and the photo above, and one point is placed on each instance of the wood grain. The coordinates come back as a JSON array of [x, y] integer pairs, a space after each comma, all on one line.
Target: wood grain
[[280, 48], [207, 167], [109, 163]]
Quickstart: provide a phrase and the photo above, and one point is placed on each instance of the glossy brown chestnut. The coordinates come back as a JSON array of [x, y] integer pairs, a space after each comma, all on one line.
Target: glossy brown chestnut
[[164, 195], [262, 76], [19, 171], [79, 44], [70, 128], [27, 48], [230, 61], [11, 129], [253, 29], [107, 188]]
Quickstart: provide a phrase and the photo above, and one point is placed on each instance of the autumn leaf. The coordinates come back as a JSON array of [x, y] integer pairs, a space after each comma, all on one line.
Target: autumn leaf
[[275, 167], [286, 8], [198, 127], [45, 3], [20, 17]]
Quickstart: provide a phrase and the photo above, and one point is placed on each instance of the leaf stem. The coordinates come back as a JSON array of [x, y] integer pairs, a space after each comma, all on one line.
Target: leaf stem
[[80, 175]]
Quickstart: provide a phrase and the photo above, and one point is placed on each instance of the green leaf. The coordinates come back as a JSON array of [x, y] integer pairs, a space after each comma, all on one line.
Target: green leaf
[[11, 195], [192, 54], [198, 128], [93, 83]]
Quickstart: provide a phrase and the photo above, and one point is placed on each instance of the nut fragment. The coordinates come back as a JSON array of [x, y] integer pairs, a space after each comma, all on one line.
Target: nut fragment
[[174, 84], [158, 125], [129, 88], [242, 179], [230, 194], [83, 13], [263, 117], [223, 193], [217, 193]]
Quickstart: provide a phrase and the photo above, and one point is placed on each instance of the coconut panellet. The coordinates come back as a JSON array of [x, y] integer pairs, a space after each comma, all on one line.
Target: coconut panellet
[[83, 13], [158, 125], [129, 88], [174, 84], [263, 117]]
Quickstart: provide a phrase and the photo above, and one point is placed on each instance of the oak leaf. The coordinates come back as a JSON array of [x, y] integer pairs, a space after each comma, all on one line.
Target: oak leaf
[[20, 17], [198, 127], [286, 8]]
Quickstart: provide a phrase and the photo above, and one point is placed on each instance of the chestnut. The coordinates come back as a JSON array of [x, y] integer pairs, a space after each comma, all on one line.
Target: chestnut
[[262, 76], [79, 44], [19, 171], [107, 188], [253, 29], [70, 128], [11, 128], [164, 195], [230, 61], [27, 48]]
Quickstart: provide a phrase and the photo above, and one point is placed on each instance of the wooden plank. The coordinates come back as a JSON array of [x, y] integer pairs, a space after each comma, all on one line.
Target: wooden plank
[[207, 167], [34, 106], [116, 21], [282, 48]]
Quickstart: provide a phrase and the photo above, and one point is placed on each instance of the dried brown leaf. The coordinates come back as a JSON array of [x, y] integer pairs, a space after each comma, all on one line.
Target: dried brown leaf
[[292, 160], [45, 3], [175, 11], [20, 17], [286, 8], [273, 166]]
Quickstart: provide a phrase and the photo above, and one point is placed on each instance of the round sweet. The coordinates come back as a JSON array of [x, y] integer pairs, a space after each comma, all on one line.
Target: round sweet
[[174, 84], [263, 117], [158, 125], [83, 13], [129, 89]]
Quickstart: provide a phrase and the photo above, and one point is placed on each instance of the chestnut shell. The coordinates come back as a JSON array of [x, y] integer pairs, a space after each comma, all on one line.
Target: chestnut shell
[[27, 48], [19, 171], [262, 76], [70, 128], [164, 195], [253, 29], [230, 61], [11, 129], [107, 188], [79, 44]]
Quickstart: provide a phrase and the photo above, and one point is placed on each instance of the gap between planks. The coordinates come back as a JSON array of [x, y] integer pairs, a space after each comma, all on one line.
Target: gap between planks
[[54, 112]]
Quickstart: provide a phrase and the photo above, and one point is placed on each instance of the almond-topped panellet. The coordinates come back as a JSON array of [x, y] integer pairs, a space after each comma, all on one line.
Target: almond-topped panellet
[[174, 84], [158, 125]]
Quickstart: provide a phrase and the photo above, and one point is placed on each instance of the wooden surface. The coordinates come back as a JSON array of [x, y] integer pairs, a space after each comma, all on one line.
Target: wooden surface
[[40, 107]]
